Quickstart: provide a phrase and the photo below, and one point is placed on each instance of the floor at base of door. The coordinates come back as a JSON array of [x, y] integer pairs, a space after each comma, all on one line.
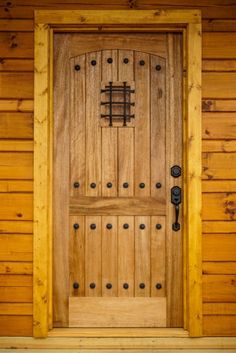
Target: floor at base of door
[[118, 345]]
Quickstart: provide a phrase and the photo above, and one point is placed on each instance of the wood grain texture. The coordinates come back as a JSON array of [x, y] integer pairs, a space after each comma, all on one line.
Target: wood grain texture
[[219, 247], [16, 325], [219, 288], [219, 325]]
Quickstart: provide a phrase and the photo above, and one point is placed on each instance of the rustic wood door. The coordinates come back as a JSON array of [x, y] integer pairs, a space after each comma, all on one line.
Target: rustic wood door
[[117, 134]]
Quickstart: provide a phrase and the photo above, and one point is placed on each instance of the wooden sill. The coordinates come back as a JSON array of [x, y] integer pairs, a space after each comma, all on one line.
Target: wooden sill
[[118, 332]]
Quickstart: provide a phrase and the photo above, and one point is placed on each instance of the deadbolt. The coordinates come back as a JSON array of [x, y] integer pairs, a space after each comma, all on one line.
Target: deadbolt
[[176, 171]]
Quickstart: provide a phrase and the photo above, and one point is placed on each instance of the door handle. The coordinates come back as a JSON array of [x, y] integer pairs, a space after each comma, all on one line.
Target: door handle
[[176, 201]]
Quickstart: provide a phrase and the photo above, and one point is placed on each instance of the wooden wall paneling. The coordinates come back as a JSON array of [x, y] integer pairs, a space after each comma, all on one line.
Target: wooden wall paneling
[[158, 256], [109, 256], [219, 65], [16, 281], [219, 185], [16, 247], [142, 256], [16, 165], [17, 45], [16, 268], [220, 105], [142, 124], [219, 288], [219, 308], [219, 247], [218, 206], [16, 206], [77, 125], [219, 146], [16, 146], [218, 227], [16, 186], [219, 125], [219, 85], [219, 268], [174, 136], [16, 85], [21, 227], [219, 325], [16, 309], [93, 259], [93, 130], [16, 294], [14, 105], [158, 126], [24, 65], [16, 325], [219, 166], [126, 255], [218, 45], [9, 121], [77, 255]]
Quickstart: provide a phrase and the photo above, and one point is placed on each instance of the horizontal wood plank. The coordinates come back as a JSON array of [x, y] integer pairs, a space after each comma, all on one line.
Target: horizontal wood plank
[[219, 25], [117, 312], [17, 105], [219, 105], [116, 206], [219, 268], [16, 247], [219, 146], [16, 206], [16, 165], [9, 121], [219, 45], [16, 146], [16, 268], [219, 325], [219, 288], [10, 186], [15, 325], [16, 281], [219, 166], [219, 126], [16, 64], [16, 44], [16, 294], [219, 65], [219, 85], [218, 227], [218, 185], [219, 247], [22, 25], [219, 308], [16, 309], [219, 206], [17, 85], [19, 227]]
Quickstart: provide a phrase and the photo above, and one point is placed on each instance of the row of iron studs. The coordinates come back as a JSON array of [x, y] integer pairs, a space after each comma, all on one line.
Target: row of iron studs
[[109, 226], [110, 61], [109, 285], [109, 185]]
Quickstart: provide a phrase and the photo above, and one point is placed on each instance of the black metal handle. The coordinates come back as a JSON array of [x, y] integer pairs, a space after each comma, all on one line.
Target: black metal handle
[[176, 200]]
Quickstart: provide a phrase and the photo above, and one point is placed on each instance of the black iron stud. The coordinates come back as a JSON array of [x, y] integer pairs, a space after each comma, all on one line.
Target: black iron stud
[[93, 62], [158, 185], [93, 226], [142, 226], [142, 185], [125, 185], [92, 285], [109, 285], [126, 60], [142, 285], [109, 226], [93, 185], [76, 184], [158, 286], [76, 226], [158, 226], [125, 226], [125, 286], [77, 67], [158, 67], [76, 285], [109, 185], [142, 62], [110, 60]]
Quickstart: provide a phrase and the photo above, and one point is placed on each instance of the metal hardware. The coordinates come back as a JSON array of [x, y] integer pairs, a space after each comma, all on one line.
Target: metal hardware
[[126, 60], [126, 90], [77, 67], [92, 226], [142, 185], [175, 171], [76, 184], [110, 60], [92, 285], [142, 62], [142, 226], [109, 226], [158, 226], [109, 185], [158, 185], [109, 285], [76, 285], [158, 67], [158, 286], [93, 62], [76, 226], [93, 185], [125, 286], [125, 185], [176, 200], [125, 226], [142, 285]]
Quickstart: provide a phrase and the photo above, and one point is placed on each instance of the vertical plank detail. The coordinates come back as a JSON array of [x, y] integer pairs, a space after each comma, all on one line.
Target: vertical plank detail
[[109, 161], [126, 161]]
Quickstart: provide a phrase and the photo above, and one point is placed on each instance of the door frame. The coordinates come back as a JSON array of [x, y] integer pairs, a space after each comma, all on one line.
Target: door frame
[[47, 22]]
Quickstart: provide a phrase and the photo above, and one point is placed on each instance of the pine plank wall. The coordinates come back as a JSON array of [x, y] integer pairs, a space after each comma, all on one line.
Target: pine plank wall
[[219, 156]]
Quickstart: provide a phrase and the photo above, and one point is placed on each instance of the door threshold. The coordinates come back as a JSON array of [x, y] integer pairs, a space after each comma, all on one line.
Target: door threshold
[[118, 332]]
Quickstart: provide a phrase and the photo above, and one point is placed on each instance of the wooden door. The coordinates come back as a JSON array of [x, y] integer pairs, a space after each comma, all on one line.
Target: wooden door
[[117, 133]]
